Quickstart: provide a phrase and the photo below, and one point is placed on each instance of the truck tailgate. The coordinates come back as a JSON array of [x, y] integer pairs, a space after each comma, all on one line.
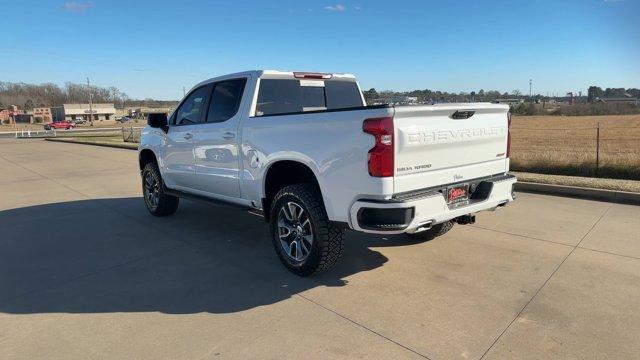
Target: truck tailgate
[[436, 147]]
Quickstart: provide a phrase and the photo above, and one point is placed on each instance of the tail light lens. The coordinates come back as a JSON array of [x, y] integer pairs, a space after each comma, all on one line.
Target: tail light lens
[[508, 134], [308, 75], [381, 155]]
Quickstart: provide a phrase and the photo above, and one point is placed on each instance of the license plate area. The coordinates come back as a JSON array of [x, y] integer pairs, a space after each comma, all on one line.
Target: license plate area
[[458, 195]]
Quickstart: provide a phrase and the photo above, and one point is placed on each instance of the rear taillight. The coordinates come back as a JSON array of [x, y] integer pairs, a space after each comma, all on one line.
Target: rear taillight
[[508, 134], [381, 155]]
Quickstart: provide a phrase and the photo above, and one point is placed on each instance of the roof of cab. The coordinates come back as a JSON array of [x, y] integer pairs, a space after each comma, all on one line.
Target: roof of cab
[[290, 73], [262, 73]]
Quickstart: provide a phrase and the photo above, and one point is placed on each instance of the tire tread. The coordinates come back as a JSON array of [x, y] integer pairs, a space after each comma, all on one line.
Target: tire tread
[[167, 204], [329, 238]]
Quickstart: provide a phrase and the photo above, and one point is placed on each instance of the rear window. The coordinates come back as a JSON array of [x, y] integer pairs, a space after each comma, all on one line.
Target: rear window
[[283, 96]]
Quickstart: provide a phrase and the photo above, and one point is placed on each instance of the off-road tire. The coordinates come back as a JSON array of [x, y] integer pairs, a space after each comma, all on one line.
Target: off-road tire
[[328, 240], [434, 232], [166, 204]]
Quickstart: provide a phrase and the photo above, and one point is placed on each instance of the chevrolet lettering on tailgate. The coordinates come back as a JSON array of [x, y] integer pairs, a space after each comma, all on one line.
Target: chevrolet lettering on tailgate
[[446, 136]]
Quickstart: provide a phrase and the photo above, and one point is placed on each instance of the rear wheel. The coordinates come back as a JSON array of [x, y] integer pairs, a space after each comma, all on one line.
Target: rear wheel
[[304, 239], [157, 201], [434, 232]]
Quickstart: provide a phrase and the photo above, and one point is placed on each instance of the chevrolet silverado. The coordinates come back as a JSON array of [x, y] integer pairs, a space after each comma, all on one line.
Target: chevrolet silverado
[[303, 150]]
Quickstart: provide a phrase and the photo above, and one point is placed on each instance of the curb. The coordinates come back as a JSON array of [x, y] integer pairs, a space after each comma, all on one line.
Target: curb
[[118, 146], [622, 197]]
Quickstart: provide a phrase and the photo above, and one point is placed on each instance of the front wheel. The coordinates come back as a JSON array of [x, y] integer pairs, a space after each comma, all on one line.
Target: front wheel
[[304, 239], [157, 201]]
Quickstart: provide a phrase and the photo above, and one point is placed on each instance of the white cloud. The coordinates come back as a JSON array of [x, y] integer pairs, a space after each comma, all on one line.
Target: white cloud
[[77, 6], [336, 7]]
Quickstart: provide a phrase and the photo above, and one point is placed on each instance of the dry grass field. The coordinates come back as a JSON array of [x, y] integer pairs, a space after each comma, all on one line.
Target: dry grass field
[[566, 145], [573, 145]]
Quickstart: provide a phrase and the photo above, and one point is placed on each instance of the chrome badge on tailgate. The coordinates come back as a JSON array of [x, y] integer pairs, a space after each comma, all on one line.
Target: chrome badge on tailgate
[[456, 135]]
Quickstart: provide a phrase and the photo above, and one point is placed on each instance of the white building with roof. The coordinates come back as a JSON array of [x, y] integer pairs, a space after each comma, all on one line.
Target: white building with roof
[[82, 111]]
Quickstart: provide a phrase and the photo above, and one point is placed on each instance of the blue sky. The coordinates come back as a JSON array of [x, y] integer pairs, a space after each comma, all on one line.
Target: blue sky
[[154, 48]]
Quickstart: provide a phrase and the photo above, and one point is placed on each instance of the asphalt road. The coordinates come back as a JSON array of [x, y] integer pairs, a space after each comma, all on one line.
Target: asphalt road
[[86, 273]]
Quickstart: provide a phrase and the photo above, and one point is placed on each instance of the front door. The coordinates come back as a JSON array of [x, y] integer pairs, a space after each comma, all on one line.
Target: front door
[[216, 147], [178, 160]]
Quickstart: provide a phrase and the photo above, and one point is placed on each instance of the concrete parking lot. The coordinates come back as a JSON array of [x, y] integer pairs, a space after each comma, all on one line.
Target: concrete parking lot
[[85, 273]]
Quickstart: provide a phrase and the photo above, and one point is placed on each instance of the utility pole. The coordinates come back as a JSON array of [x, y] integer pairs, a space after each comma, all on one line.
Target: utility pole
[[598, 148], [90, 103], [530, 82]]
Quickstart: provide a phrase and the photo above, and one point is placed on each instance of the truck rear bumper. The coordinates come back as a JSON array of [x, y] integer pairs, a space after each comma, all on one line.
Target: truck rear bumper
[[419, 210]]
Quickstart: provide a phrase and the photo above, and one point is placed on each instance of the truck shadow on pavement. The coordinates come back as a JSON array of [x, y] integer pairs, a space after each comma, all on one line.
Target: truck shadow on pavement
[[110, 255]]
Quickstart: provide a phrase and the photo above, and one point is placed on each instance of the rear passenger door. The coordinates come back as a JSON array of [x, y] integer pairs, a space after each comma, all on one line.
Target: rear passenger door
[[216, 143]]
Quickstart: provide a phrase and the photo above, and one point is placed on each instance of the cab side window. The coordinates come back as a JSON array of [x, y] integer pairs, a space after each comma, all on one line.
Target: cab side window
[[225, 100], [192, 110]]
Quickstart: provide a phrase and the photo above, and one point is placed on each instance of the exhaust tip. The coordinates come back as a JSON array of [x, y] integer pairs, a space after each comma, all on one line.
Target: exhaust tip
[[424, 227]]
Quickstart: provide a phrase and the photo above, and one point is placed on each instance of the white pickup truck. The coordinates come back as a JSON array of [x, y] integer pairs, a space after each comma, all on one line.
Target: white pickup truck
[[304, 150]]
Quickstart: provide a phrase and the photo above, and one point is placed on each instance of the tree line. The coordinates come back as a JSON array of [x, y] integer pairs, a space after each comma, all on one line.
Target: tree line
[[428, 96], [28, 96], [596, 92], [434, 96]]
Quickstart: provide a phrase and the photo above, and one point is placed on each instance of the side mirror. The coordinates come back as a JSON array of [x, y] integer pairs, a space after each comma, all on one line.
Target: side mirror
[[158, 120]]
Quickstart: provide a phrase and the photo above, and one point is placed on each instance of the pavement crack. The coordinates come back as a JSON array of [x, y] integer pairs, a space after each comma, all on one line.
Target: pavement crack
[[554, 242], [609, 253], [519, 235], [546, 282], [362, 326]]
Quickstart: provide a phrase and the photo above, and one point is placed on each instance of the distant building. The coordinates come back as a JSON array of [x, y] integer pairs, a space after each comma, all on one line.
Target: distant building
[[619, 100], [4, 116], [397, 100], [23, 119], [42, 115], [509, 101], [82, 111], [142, 112], [404, 99], [8, 115]]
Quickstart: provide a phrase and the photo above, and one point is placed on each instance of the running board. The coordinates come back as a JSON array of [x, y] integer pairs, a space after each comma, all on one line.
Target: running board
[[195, 197]]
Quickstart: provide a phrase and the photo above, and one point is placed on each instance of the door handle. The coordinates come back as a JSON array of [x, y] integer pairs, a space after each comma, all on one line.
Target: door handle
[[229, 136], [188, 136]]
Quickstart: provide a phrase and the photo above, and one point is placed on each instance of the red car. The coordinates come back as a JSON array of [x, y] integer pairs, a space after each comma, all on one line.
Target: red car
[[59, 125]]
